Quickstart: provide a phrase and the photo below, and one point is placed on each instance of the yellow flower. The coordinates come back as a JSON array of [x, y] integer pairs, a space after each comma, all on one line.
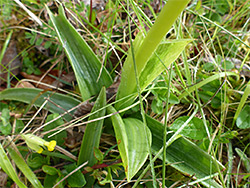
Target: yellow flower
[[37, 144]]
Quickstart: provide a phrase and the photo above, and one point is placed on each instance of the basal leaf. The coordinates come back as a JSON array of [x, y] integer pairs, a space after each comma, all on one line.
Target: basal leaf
[[90, 74], [131, 135], [92, 134], [137, 145], [38, 96]]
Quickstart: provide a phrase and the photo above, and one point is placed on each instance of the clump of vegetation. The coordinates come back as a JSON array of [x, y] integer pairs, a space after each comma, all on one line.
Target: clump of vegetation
[[126, 93]]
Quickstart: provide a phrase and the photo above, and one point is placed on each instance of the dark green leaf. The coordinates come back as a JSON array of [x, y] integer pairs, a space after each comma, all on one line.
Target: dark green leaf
[[194, 130], [50, 170], [76, 179], [92, 135], [36, 160], [243, 120]]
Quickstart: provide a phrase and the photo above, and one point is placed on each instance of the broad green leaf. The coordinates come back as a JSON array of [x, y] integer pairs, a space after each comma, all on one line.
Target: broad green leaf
[[131, 136], [184, 155], [7, 167], [22, 165], [194, 130], [37, 97], [76, 179], [50, 170], [243, 120], [92, 134], [91, 76]]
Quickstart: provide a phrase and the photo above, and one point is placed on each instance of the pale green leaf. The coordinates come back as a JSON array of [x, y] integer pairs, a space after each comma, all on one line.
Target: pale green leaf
[[131, 135], [165, 54]]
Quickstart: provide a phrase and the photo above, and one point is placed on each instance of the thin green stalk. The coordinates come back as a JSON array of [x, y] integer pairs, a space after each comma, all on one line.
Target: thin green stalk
[[6, 43], [165, 129], [141, 102], [230, 163]]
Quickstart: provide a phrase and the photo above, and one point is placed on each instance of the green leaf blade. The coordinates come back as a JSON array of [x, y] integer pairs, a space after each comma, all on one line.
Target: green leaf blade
[[37, 97], [184, 155], [22, 165], [86, 65], [7, 167]]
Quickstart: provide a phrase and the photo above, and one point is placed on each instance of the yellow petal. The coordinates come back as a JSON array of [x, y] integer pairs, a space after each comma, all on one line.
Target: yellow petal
[[50, 145]]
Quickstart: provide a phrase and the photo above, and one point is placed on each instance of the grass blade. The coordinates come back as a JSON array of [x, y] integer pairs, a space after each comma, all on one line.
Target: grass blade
[[242, 102]]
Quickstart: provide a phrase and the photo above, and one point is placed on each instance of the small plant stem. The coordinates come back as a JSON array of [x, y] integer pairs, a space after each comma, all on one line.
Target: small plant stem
[[141, 103], [230, 163], [165, 129]]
